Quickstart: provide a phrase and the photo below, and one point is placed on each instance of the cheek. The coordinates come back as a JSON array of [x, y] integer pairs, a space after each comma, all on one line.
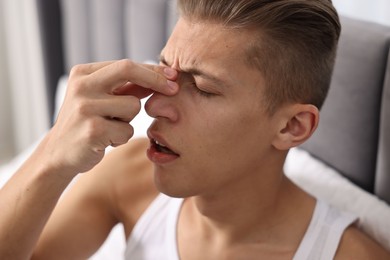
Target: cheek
[[219, 125], [221, 132]]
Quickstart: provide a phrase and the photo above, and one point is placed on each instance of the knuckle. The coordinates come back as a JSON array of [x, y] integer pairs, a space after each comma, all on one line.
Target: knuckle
[[148, 103], [77, 86], [126, 65], [134, 111], [130, 132], [77, 70], [158, 69], [83, 107], [126, 133], [157, 78], [135, 103], [94, 129]]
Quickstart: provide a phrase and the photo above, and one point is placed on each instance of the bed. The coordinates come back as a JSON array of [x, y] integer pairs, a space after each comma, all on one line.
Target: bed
[[347, 162]]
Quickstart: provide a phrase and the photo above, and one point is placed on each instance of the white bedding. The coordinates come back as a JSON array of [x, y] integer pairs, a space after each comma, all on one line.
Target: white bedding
[[309, 173], [327, 184]]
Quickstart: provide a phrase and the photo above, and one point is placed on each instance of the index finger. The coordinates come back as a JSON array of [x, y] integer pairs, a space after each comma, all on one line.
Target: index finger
[[163, 77], [118, 73], [168, 72]]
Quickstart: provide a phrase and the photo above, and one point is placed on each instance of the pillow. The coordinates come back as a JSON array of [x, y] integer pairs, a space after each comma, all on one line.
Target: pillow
[[325, 183]]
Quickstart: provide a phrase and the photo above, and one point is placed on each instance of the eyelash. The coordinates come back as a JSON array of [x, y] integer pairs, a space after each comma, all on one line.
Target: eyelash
[[202, 92]]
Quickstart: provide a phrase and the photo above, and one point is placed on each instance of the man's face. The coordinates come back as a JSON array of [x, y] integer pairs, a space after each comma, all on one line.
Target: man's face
[[216, 125]]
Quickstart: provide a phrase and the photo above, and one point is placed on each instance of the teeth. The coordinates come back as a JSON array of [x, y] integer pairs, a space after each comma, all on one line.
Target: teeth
[[159, 143], [162, 148]]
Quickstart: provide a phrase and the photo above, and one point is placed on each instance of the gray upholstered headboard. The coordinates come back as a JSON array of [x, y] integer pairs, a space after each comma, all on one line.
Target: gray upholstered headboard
[[354, 133]]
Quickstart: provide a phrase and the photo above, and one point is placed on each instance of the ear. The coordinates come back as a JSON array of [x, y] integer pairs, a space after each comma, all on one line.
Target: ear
[[298, 122]]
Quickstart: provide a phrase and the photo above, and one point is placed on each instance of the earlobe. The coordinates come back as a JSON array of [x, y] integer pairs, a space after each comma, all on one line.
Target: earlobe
[[299, 124]]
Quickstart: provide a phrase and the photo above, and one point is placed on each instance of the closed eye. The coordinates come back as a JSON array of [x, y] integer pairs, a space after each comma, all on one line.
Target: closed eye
[[202, 92]]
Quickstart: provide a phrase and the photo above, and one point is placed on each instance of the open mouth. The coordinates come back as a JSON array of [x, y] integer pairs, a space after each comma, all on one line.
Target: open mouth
[[162, 148]]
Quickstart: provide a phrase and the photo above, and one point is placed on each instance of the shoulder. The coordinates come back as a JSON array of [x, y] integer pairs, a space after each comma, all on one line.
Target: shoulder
[[355, 244], [129, 176], [125, 160], [123, 182], [118, 189]]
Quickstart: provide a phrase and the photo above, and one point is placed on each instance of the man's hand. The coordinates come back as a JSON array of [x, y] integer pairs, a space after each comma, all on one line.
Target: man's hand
[[101, 100]]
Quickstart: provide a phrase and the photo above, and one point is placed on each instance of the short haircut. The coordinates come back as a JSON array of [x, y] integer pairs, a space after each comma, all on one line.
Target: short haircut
[[294, 44]]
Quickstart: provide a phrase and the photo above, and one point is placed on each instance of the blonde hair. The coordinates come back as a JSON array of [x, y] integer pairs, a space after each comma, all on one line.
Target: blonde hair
[[294, 44]]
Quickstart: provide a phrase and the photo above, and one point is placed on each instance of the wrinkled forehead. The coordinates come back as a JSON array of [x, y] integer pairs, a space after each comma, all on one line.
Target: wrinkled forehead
[[200, 43], [212, 52]]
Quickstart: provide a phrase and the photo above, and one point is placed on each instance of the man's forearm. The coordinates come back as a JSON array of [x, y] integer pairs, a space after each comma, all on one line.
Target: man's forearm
[[26, 203], [101, 100]]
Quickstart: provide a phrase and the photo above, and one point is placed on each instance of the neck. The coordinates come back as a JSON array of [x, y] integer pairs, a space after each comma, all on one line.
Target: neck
[[262, 211]]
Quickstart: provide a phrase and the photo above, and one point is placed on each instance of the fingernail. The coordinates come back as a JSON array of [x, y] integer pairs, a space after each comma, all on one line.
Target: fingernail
[[172, 85], [169, 72]]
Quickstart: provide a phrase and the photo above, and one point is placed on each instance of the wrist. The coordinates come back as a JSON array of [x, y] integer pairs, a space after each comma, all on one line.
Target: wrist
[[47, 161]]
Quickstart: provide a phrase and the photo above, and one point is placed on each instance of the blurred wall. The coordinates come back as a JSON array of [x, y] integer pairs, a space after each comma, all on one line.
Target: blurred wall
[[24, 114], [371, 10], [6, 123], [24, 110]]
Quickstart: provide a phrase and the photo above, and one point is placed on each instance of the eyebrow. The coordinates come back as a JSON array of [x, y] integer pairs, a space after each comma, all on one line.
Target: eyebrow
[[198, 72]]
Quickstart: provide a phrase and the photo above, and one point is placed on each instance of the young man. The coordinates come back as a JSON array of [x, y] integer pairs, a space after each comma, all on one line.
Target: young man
[[252, 76]]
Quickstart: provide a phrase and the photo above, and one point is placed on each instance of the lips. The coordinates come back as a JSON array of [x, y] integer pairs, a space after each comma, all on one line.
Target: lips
[[159, 151], [161, 147]]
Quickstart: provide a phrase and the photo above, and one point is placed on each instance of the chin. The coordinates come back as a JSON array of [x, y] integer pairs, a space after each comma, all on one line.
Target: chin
[[171, 187], [174, 191]]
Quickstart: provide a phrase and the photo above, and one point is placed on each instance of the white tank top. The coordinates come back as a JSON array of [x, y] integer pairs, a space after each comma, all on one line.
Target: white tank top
[[154, 235]]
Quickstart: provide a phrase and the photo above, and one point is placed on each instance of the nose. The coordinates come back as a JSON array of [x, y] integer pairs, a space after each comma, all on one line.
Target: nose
[[161, 106]]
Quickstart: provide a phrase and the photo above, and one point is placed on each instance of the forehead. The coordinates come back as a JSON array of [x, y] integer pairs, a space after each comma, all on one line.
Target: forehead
[[206, 44]]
